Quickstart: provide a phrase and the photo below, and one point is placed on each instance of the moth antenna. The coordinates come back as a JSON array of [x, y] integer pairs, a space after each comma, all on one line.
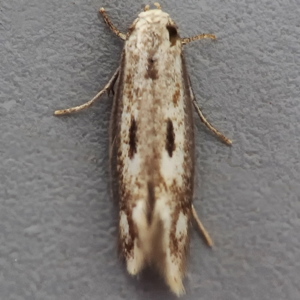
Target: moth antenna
[[157, 5], [147, 7], [187, 40]]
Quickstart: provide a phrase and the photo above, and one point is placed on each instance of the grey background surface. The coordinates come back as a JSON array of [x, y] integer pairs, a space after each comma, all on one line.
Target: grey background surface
[[57, 222]]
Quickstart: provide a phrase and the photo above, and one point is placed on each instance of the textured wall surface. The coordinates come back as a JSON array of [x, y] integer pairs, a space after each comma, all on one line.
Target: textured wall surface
[[57, 222]]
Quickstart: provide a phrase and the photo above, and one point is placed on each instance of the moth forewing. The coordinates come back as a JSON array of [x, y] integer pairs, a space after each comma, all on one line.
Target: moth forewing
[[153, 142]]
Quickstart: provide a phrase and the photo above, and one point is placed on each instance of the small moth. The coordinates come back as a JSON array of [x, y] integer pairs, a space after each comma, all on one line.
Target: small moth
[[152, 145]]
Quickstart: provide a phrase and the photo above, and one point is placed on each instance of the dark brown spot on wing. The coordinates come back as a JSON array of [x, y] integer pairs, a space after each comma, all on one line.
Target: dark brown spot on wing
[[173, 34], [151, 72], [170, 138], [151, 201], [176, 97], [132, 138]]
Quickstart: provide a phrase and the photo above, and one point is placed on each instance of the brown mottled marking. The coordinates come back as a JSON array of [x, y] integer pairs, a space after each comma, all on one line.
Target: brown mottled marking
[[170, 141], [135, 58], [132, 137], [173, 246], [128, 245], [176, 97], [151, 70], [151, 201], [128, 79]]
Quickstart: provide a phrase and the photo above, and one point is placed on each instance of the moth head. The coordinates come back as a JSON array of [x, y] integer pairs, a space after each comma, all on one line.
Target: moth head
[[155, 22]]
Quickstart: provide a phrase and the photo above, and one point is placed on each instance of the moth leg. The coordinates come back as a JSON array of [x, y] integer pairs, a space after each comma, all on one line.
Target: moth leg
[[201, 227], [220, 135], [187, 40], [108, 87], [109, 23]]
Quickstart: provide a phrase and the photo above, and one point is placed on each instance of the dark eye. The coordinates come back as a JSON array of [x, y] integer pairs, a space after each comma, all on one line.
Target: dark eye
[[173, 34]]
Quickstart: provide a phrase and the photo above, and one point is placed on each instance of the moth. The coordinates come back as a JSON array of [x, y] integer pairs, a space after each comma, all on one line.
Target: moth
[[152, 145]]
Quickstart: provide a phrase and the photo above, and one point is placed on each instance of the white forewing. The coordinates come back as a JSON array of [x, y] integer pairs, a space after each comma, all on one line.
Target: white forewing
[[154, 149]]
